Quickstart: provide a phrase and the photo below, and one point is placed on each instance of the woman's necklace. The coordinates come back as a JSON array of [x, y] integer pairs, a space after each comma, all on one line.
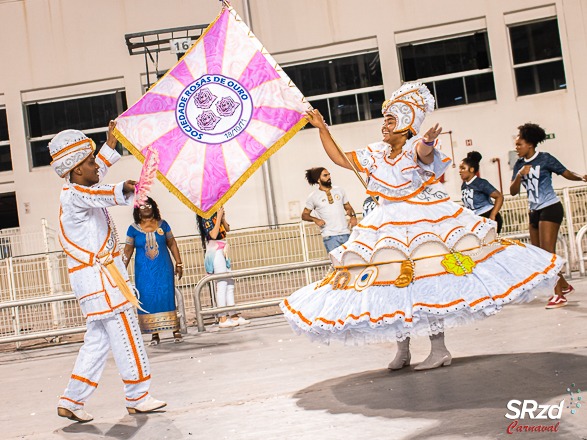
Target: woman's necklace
[[151, 246]]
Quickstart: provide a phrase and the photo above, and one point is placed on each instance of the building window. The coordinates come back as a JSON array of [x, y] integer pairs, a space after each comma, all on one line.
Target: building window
[[5, 158], [457, 70], [537, 57], [344, 89], [89, 114]]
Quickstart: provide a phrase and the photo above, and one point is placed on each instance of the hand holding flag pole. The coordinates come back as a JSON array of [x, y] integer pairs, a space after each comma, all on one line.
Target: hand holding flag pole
[[315, 118]]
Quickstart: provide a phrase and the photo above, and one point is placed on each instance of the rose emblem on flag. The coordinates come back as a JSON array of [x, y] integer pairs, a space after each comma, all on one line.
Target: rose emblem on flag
[[226, 106], [204, 98], [207, 121]]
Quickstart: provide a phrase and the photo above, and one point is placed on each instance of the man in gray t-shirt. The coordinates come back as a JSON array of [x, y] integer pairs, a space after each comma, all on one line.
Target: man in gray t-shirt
[[331, 206]]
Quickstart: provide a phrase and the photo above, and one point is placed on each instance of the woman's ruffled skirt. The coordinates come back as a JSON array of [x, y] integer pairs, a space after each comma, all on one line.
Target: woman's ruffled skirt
[[413, 270]]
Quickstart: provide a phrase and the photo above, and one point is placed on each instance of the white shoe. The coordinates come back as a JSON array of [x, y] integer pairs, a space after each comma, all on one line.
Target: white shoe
[[400, 361], [78, 415], [241, 321], [228, 323], [434, 361], [149, 405]]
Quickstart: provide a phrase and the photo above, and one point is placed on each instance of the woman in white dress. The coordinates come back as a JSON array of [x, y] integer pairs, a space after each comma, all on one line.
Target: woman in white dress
[[418, 262]]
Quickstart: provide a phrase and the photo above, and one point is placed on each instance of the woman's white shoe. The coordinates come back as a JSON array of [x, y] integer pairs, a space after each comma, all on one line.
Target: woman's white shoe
[[433, 361], [228, 323], [400, 361], [241, 321], [402, 357]]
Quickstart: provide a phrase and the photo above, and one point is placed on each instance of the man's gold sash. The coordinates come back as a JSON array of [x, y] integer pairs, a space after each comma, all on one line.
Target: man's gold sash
[[107, 261]]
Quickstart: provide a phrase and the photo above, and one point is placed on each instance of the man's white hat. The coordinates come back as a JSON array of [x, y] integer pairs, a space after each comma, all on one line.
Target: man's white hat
[[409, 105], [68, 149]]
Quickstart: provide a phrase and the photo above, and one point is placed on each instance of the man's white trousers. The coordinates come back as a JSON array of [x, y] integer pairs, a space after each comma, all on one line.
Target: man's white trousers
[[121, 334]]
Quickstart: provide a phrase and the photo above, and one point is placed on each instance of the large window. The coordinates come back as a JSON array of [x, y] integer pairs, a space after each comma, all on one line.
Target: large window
[[457, 70], [344, 89], [5, 158], [89, 114], [537, 57]]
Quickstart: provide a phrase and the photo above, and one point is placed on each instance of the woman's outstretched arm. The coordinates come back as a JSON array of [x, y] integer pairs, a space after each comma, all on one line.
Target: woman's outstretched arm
[[317, 120], [425, 148], [571, 175]]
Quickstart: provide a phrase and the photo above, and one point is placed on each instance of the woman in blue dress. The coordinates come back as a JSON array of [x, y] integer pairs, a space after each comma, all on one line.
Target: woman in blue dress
[[154, 271]]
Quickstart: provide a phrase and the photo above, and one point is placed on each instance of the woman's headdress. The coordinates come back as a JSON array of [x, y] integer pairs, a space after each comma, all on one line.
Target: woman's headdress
[[409, 105]]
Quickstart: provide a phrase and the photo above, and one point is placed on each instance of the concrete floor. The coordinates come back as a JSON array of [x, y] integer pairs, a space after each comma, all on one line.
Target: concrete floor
[[263, 382]]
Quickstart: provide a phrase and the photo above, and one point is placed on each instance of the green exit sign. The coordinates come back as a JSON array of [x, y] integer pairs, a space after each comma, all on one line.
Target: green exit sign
[[550, 136]]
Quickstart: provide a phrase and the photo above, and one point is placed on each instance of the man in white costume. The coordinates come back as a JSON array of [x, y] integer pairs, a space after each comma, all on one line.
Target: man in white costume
[[98, 276]]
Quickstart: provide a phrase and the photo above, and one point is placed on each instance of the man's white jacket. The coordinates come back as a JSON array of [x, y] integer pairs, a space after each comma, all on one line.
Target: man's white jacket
[[87, 236]]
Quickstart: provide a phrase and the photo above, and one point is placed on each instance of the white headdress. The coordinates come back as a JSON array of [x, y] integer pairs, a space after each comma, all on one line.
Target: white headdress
[[68, 149], [409, 105]]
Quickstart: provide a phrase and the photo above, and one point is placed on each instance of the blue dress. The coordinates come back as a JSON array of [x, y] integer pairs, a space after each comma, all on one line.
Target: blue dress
[[154, 278]]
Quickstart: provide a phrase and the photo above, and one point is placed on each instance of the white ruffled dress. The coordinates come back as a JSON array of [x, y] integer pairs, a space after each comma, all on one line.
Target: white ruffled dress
[[457, 267]]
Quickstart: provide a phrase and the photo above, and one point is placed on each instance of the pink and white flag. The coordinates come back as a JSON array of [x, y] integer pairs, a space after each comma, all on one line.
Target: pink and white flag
[[216, 116]]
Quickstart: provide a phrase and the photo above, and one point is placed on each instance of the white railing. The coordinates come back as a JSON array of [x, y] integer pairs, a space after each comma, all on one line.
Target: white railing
[[15, 242], [39, 300]]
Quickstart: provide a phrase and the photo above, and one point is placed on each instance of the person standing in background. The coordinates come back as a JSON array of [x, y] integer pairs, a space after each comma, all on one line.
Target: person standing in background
[[533, 170], [477, 192], [151, 236], [331, 206], [213, 232]]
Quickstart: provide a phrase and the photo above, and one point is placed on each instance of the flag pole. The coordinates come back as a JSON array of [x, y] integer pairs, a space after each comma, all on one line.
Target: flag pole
[[226, 3], [353, 167]]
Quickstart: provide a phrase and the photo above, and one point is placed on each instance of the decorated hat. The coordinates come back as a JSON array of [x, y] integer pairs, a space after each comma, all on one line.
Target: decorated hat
[[68, 149], [409, 105]]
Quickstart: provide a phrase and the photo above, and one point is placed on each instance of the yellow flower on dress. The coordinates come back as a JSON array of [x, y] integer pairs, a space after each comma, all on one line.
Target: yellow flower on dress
[[160, 231], [458, 264]]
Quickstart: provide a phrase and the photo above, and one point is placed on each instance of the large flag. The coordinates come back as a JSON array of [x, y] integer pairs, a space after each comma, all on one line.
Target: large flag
[[216, 116]]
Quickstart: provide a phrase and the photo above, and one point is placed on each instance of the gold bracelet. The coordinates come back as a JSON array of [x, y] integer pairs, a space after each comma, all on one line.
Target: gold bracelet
[[179, 264]]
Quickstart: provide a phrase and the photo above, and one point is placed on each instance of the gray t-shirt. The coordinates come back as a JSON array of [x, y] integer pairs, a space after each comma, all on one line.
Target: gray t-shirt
[[539, 182], [476, 195]]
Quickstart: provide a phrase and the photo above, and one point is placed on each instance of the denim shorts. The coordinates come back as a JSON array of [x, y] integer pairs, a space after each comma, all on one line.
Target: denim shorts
[[335, 241]]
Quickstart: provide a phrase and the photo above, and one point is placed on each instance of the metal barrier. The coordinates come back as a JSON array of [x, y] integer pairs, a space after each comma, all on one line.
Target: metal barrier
[[18, 337], [16, 242], [579, 243], [42, 334], [242, 274]]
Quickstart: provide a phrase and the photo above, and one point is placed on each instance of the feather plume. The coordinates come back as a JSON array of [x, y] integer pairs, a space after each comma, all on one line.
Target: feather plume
[[148, 174]]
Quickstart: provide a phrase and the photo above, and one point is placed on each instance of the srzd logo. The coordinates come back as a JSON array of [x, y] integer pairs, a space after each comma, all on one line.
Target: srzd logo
[[531, 409]]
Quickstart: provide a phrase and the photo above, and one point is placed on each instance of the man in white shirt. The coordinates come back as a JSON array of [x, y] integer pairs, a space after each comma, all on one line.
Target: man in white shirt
[[331, 206]]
